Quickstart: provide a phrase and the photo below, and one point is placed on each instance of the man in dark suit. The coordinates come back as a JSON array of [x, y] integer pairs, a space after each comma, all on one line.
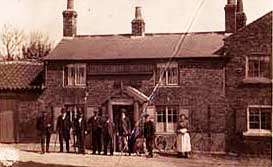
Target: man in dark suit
[[44, 127], [124, 128], [108, 134], [149, 134], [81, 131], [95, 122], [63, 128]]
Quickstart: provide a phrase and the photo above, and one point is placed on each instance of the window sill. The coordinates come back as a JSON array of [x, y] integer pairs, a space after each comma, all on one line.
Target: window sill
[[165, 133], [257, 81], [257, 133], [75, 87], [168, 86]]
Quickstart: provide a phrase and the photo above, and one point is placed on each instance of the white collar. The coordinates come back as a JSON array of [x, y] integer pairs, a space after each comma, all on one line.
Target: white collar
[[64, 116]]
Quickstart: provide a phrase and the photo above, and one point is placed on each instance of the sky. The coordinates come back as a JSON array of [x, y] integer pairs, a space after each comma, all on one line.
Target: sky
[[115, 16]]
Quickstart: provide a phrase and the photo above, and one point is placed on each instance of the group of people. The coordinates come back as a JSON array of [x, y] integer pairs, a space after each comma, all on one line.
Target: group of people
[[101, 128]]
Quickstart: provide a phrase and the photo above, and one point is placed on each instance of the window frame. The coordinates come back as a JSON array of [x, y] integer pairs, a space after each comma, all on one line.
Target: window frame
[[260, 131], [259, 57], [167, 69], [165, 121], [76, 76]]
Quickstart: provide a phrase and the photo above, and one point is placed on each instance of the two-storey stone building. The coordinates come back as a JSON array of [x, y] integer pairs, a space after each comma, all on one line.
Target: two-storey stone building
[[249, 86], [143, 73]]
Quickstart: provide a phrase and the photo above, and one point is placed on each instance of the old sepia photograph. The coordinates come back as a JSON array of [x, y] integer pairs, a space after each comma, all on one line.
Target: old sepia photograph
[[136, 83]]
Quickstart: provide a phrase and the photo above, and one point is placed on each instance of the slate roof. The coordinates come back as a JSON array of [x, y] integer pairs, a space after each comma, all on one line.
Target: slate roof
[[152, 46], [16, 75]]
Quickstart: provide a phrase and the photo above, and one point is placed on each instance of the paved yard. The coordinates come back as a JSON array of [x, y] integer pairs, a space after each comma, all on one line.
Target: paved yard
[[29, 157]]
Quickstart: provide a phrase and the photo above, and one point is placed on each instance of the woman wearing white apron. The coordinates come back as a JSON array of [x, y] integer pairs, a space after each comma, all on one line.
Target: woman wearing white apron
[[183, 137]]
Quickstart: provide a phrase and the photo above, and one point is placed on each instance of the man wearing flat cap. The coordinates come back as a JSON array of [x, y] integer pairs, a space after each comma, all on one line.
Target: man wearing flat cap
[[149, 134], [108, 134]]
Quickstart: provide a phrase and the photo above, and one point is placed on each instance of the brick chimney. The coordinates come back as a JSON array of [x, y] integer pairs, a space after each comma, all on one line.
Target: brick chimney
[[138, 24], [69, 20], [240, 15], [230, 16]]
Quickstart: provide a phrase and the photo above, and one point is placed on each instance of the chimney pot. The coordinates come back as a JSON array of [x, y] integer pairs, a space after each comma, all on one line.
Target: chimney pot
[[240, 6], [231, 2], [138, 14], [240, 15], [70, 4]]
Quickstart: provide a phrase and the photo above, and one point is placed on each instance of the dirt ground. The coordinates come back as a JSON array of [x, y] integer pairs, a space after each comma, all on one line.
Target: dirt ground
[[29, 156]]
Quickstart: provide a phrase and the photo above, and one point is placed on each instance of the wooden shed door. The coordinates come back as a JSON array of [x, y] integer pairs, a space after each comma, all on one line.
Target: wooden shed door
[[7, 127], [7, 122]]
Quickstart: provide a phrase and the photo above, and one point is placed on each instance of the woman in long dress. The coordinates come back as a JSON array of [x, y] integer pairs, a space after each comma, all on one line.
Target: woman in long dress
[[183, 137]]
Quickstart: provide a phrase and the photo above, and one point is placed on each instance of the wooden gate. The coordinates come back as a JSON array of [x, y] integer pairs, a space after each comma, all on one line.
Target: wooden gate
[[7, 127]]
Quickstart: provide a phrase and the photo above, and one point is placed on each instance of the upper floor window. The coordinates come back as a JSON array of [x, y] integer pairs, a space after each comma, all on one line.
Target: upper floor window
[[75, 75], [167, 74], [257, 66], [259, 119], [166, 118]]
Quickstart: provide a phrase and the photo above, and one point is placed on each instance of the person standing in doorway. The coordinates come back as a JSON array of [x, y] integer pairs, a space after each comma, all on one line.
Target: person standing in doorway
[[108, 134], [149, 134], [124, 131], [44, 127], [96, 131], [63, 128], [81, 131]]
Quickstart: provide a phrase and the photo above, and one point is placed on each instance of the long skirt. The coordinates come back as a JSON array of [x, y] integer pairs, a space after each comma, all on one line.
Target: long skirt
[[183, 142]]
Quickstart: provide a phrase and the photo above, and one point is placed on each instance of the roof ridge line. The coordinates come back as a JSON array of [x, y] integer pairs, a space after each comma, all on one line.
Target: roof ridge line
[[21, 62], [150, 34]]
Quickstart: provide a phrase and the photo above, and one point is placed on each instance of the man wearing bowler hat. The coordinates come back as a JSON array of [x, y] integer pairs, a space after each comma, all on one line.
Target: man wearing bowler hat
[[95, 122], [81, 131], [44, 126], [63, 128]]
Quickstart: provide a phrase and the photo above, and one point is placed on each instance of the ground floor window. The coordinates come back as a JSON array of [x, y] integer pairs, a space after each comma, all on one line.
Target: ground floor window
[[259, 118], [166, 118]]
